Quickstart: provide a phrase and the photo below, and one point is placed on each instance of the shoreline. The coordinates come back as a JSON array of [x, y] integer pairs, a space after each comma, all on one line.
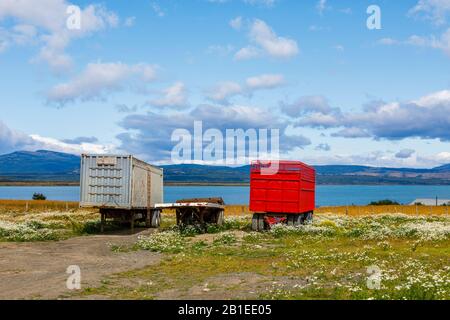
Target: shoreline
[[193, 184]]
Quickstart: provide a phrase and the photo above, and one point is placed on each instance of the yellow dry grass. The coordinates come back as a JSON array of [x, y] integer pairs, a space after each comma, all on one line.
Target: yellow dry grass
[[33, 205], [238, 210], [242, 210], [375, 210]]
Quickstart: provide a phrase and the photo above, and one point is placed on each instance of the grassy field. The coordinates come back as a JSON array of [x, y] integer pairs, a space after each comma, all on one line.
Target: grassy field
[[334, 258], [347, 253]]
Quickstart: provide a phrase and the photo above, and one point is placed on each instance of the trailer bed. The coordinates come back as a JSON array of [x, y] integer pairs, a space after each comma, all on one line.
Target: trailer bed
[[196, 211]]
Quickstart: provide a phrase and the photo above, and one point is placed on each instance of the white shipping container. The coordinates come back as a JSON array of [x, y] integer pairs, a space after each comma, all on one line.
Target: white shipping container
[[119, 182]]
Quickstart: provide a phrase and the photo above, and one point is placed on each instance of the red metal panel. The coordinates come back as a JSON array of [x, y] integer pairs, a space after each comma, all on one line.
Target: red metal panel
[[290, 190]]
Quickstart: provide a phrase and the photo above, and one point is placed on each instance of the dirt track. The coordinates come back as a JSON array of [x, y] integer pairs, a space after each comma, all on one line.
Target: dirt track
[[38, 270]]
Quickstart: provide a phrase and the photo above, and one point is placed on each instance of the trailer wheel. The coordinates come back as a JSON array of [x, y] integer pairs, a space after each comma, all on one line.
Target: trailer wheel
[[291, 219], [255, 225], [258, 223], [298, 220], [309, 217], [156, 219], [261, 223]]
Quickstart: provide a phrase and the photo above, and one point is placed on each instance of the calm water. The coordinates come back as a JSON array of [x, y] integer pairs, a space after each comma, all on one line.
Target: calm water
[[325, 196]]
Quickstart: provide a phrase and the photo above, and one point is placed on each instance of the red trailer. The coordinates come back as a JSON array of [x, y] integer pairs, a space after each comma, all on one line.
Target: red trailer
[[284, 196]]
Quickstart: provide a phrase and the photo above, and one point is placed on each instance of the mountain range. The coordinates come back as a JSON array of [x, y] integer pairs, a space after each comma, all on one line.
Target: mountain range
[[48, 166]]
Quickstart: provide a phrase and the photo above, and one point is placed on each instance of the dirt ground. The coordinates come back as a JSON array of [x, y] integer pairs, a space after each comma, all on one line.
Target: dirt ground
[[38, 270]]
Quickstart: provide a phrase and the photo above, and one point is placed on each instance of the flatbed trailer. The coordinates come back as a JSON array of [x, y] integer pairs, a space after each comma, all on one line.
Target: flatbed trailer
[[197, 211]]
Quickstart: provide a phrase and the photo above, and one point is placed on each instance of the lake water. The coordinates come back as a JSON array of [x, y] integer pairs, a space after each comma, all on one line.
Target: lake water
[[325, 195]]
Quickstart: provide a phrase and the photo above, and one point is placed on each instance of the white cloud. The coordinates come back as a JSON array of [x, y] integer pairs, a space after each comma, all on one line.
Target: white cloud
[[266, 3], [13, 140], [100, 78], [387, 41], [263, 3], [307, 104], [433, 10], [265, 81], [46, 24], [20, 34], [236, 23], [78, 140], [174, 96], [321, 6], [350, 132], [274, 45], [149, 135], [225, 90], [443, 157], [247, 53], [266, 40], [375, 158], [427, 118], [441, 42], [77, 148], [158, 10]]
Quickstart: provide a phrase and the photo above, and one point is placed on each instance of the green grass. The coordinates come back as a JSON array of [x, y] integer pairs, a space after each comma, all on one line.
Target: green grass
[[51, 225], [326, 260]]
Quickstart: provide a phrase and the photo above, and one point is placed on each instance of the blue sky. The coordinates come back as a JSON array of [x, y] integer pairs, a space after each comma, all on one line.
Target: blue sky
[[135, 71]]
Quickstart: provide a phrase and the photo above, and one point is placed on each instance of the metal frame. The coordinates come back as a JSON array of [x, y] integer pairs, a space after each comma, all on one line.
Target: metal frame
[[188, 204], [191, 212]]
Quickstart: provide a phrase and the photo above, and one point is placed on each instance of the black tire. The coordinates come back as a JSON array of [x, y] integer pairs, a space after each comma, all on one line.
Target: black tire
[[309, 218], [291, 220], [255, 222], [156, 219], [261, 223], [298, 220]]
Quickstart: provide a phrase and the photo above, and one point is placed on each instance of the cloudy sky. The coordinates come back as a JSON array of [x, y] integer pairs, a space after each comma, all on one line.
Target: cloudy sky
[[339, 92]]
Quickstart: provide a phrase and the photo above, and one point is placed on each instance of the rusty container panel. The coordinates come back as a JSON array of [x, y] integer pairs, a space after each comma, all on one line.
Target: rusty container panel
[[118, 182]]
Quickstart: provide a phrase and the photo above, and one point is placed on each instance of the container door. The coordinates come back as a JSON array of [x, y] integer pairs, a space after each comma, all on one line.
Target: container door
[[140, 188], [105, 181]]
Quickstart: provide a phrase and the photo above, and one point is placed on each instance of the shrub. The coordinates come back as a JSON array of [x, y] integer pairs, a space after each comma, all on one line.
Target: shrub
[[189, 230], [85, 227], [39, 196], [29, 231], [385, 202]]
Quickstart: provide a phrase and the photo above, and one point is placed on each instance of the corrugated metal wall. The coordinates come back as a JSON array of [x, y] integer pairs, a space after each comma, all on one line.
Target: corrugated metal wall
[[139, 187], [157, 194], [119, 182], [103, 184]]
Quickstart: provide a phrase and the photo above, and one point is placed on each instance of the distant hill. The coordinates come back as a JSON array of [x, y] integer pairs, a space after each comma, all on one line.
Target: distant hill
[[203, 174], [443, 168], [41, 165], [48, 166]]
